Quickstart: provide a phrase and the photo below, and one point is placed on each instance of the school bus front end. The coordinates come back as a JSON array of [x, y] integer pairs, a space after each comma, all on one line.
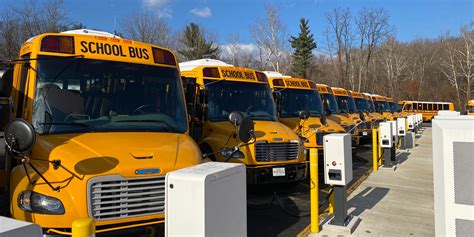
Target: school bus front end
[[110, 122], [294, 95], [370, 119], [383, 107], [276, 154], [334, 113]]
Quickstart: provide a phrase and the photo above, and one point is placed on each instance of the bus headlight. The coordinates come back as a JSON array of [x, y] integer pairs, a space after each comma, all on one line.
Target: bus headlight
[[38, 203]]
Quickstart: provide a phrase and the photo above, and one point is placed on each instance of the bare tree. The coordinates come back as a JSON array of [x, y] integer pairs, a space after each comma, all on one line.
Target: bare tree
[[271, 38], [339, 30], [148, 27], [372, 28], [394, 64]]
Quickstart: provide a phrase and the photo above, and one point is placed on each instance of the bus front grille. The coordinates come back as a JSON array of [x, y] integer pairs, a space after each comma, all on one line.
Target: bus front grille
[[265, 152], [113, 197]]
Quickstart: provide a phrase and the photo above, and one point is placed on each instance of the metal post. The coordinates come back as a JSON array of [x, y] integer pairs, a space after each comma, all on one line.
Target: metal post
[[374, 150], [380, 147], [314, 189], [340, 208], [387, 157], [83, 228]]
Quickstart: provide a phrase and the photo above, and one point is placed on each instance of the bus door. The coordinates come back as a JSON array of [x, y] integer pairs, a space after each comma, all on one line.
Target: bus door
[[194, 106]]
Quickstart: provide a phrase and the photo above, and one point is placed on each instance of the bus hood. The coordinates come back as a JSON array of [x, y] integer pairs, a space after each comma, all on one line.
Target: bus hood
[[118, 153], [264, 130]]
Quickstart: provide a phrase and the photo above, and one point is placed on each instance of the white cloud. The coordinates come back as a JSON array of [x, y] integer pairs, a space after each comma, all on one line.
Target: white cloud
[[228, 50], [165, 12], [202, 12], [159, 7], [154, 3]]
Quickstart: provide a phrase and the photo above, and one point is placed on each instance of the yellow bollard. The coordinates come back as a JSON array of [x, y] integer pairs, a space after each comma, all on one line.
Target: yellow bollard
[[314, 189], [83, 228], [331, 202], [374, 149]]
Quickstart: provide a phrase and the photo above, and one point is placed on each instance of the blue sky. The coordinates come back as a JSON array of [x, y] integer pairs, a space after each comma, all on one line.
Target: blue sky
[[411, 18]]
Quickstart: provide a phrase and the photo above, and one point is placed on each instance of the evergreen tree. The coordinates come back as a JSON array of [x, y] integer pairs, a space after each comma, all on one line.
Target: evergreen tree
[[196, 45], [303, 46]]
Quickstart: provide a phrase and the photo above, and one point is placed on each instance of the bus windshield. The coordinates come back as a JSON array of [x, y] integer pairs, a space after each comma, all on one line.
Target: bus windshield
[[84, 95], [362, 104], [252, 99], [330, 104], [352, 105], [380, 106], [342, 104], [394, 107], [295, 100]]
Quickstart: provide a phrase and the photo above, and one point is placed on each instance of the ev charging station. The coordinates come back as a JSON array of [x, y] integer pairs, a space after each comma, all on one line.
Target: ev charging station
[[338, 173], [387, 143], [401, 131]]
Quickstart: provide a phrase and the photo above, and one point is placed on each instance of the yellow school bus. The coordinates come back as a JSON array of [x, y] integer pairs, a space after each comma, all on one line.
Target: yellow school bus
[[382, 106], [347, 106], [333, 112], [293, 96], [394, 108], [470, 107], [109, 121], [215, 92], [426, 108], [379, 117], [363, 105]]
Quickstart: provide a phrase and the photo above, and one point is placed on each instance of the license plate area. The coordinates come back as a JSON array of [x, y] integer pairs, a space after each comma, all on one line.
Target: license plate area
[[278, 172]]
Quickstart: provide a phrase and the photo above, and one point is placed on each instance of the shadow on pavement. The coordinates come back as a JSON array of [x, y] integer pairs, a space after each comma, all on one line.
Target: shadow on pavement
[[366, 200]]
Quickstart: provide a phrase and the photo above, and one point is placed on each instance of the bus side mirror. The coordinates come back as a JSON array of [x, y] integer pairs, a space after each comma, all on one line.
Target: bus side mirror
[[19, 136], [323, 119], [245, 130], [304, 114], [6, 80], [236, 118], [362, 116]]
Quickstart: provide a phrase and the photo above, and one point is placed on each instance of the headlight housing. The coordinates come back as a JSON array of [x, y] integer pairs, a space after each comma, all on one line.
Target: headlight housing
[[38, 203]]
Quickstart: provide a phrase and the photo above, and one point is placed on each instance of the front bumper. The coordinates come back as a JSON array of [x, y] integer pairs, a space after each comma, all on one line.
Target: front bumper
[[265, 174]]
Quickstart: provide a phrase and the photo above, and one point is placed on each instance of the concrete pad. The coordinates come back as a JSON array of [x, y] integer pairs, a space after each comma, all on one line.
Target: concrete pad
[[397, 203]]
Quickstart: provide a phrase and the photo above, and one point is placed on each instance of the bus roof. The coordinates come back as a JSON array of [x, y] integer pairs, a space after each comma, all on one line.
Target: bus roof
[[293, 83], [431, 102], [273, 74], [193, 64], [324, 89], [218, 70], [98, 45], [357, 94], [340, 91]]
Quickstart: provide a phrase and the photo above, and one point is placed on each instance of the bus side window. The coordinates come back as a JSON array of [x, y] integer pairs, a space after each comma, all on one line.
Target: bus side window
[[446, 107], [425, 106], [189, 85], [430, 107], [435, 107]]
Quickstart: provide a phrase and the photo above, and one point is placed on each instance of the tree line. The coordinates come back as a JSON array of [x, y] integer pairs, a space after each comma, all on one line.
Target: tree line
[[360, 50]]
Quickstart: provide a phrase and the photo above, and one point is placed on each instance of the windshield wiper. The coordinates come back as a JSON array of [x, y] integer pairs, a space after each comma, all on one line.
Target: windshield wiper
[[262, 116], [169, 127], [69, 124]]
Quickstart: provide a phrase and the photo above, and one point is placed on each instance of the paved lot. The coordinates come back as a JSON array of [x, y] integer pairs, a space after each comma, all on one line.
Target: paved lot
[[400, 202]]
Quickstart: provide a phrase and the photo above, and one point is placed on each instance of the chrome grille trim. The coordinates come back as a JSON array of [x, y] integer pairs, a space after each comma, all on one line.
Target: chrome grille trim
[[267, 152], [114, 197]]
